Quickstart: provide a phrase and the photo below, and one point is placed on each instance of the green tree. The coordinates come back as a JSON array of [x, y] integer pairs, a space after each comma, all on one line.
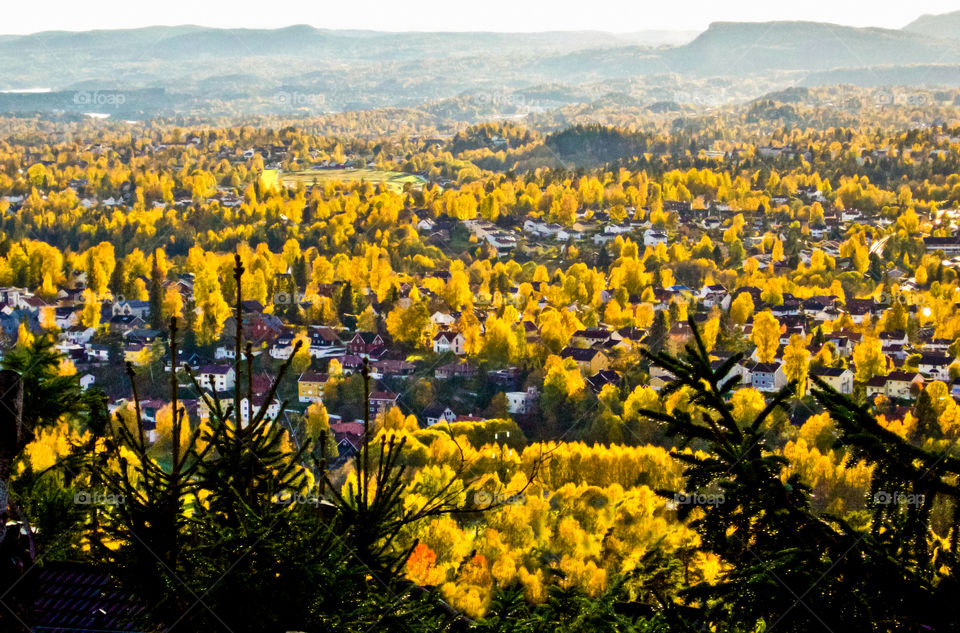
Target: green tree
[[762, 525]]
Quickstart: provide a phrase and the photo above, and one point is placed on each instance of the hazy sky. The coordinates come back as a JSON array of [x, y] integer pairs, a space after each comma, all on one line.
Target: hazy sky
[[454, 15]]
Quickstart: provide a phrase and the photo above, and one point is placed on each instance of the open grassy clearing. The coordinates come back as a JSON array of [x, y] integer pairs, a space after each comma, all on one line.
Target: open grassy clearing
[[395, 180]]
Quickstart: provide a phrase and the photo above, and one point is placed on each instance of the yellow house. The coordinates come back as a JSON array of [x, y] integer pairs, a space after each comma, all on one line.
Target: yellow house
[[590, 361], [137, 353], [310, 386]]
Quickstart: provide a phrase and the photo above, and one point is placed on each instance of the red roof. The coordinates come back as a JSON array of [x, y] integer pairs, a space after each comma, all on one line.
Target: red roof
[[312, 376], [351, 428], [261, 383]]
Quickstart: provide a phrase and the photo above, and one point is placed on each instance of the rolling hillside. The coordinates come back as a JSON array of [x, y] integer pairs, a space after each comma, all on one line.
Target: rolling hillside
[[306, 70], [946, 25]]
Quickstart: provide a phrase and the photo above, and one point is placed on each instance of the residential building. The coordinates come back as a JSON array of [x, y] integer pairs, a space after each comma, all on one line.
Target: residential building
[[310, 386], [768, 377], [590, 361], [449, 342], [522, 402], [839, 378], [901, 384], [216, 377], [462, 370], [364, 343], [437, 413], [380, 401]]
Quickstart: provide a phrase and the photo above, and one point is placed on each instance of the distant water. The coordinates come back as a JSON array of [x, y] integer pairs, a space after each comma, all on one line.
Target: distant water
[[18, 91]]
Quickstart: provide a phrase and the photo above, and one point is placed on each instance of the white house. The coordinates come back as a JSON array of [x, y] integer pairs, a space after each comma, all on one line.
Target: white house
[[449, 342], [442, 319], [436, 413], [273, 409], [840, 378], [540, 228], [78, 334], [900, 384], [501, 241], [282, 348], [715, 295], [216, 377], [652, 237], [522, 402], [768, 377], [135, 308], [936, 365], [618, 229]]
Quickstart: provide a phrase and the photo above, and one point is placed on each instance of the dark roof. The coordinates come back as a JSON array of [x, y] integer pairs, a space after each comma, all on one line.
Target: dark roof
[[860, 306], [602, 378], [367, 337], [632, 333], [579, 354], [765, 368], [312, 376], [434, 410], [940, 241], [818, 302], [828, 371], [215, 369], [894, 335], [325, 334], [934, 358], [593, 332], [908, 376], [125, 318], [458, 367], [145, 333], [389, 365], [250, 305]]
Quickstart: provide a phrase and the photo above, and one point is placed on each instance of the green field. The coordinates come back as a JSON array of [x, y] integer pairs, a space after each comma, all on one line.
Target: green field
[[395, 180]]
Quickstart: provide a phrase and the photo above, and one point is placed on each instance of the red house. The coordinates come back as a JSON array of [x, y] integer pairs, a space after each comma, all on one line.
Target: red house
[[365, 343]]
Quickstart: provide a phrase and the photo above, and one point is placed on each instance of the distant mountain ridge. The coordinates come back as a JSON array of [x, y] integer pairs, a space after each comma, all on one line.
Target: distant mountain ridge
[[944, 25], [746, 47], [302, 39], [304, 70]]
